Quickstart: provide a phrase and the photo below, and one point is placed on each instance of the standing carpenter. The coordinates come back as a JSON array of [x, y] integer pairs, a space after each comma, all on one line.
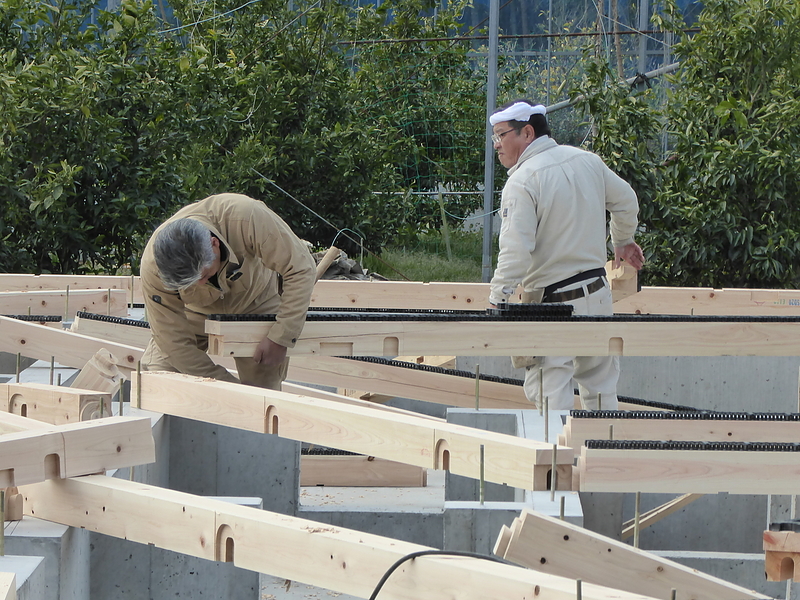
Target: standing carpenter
[[227, 254], [553, 242]]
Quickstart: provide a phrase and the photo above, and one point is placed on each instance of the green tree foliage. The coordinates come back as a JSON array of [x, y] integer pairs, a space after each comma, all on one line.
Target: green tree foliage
[[84, 165], [720, 207], [732, 183], [626, 123], [107, 127]]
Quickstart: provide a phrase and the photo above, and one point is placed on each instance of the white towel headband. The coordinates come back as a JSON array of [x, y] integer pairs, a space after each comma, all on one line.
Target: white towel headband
[[519, 111]]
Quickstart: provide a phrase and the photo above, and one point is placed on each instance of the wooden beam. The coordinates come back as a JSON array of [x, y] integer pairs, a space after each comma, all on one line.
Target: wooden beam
[[56, 302], [16, 282], [474, 296], [358, 471], [11, 423], [513, 338], [395, 381], [578, 430], [560, 548], [689, 471], [302, 390], [400, 294], [100, 373], [341, 560], [68, 349], [461, 296], [13, 504], [327, 260], [412, 440], [8, 586], [651, 517], [121, 333], [624, 281], [781, 555], [709, 301], [53, 404], [443, 362], [342, 373], [76, 449]]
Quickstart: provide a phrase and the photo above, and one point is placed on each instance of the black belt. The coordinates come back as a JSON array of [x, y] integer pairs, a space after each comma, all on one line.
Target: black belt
[[566, 296]]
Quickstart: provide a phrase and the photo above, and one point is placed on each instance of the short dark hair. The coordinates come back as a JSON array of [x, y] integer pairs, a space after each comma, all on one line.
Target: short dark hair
[[182, 250], [538, 122]]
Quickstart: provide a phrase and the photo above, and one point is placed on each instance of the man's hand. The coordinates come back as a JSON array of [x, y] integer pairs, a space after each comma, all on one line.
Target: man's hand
[[631, 254], [269, 353]]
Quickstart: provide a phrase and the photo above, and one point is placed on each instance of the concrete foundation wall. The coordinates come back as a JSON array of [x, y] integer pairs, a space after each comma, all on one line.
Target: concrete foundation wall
[[742, 569], [211, 460], [124, 569]]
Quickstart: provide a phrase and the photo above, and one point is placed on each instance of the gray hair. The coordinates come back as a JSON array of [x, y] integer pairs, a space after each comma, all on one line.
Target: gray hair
[[183, 251]]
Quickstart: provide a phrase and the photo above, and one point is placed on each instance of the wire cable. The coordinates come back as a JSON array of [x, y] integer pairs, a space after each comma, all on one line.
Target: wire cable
[[414, 555], [220, 15]]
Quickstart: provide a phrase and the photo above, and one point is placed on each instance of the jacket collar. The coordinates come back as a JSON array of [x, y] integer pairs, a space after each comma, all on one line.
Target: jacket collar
[[537, 146]]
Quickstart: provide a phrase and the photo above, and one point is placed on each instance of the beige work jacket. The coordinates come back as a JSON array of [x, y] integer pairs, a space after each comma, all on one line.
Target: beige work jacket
[[260, 246]]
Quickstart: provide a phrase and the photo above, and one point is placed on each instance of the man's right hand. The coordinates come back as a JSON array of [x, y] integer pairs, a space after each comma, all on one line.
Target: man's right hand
[[631, 254]]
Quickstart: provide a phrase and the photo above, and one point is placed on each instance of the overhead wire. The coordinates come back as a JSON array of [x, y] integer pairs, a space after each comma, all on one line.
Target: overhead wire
[[339, 230]]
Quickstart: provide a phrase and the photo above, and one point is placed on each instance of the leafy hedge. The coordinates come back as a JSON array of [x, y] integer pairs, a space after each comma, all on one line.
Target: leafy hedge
[[107, 127], [722, 208]]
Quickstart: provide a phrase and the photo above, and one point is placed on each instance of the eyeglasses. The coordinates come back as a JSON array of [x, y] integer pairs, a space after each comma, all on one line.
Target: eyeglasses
[[498, 137]]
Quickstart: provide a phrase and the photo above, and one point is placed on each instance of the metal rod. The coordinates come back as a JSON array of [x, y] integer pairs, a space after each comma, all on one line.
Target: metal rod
[[488, 151], [541, 389], [599, 401], [636, 516], [19, 364], [66, 305], [59, 379], [52, 368], [611, 433], [649, 75], [547, 419], [108, 302], [119, 391], [482, 490], [553, 475], [478, 386], [769, 510], [132, 282], [445, 226], [561, 509], [673, 595], [2, 522], [139, 384], [578, 591], [792, 516]]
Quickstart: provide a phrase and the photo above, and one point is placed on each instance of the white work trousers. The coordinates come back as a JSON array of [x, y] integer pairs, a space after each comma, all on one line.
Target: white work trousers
[[595, 375]]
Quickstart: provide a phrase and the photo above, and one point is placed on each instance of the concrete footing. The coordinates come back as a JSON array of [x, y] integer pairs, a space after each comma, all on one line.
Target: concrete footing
[[29, 574], [64, 552]]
